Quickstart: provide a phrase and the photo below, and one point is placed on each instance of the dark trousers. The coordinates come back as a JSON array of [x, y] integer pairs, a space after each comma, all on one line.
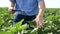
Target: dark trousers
[[19, 17]]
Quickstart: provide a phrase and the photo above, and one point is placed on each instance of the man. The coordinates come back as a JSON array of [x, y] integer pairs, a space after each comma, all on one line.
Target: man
[[27, 10]]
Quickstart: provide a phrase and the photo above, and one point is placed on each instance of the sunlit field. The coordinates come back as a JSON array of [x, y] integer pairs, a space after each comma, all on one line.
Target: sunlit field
[[51, 20]]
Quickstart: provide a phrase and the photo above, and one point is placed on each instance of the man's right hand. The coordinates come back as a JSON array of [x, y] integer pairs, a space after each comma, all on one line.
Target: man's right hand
[[11, 11]]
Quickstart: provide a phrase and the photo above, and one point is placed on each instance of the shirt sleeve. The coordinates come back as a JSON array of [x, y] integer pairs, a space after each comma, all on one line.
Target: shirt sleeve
[[13, 1], [39, 0]]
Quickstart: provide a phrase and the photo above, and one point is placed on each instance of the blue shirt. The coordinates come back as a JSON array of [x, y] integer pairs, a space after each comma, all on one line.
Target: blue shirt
[[27, 7]]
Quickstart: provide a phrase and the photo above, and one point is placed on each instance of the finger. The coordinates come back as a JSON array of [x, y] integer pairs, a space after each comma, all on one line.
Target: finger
[[37, 24], [40, 25], [33, 20]]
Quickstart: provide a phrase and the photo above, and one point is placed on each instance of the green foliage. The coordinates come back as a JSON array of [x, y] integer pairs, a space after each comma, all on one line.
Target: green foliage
[[17, 27], [5, 32], [51, 20]]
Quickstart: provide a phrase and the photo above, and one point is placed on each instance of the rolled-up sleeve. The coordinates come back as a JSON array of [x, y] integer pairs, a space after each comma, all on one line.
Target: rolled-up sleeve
[[39, 0], [13, 1]]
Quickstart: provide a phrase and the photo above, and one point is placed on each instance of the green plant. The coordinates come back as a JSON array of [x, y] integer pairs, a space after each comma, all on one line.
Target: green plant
[[51, 20]]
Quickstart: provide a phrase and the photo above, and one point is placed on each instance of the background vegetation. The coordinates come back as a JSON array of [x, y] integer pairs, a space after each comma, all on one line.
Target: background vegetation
[[51, 20]]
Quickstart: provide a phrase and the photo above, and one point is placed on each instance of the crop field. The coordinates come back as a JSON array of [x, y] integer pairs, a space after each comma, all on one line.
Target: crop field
[[51, 20]]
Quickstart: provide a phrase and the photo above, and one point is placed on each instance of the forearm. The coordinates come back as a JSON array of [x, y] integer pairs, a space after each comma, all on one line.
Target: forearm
[[42, 9], [11, 5], [41, 12]]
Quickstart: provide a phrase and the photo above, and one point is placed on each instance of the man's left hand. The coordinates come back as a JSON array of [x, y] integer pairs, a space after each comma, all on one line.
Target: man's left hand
[[39, 21]]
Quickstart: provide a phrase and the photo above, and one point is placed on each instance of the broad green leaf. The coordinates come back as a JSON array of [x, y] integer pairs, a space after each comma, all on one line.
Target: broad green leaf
[[19, 23], [11, 29], [23, 27], [34, 31]]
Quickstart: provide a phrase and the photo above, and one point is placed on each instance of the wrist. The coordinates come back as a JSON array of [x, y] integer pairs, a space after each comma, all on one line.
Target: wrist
[[39, 16]]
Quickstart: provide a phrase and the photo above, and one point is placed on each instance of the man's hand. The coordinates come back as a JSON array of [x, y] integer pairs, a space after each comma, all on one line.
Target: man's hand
[[39, 18], [39, 22], [11, 7], [11, 10]]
